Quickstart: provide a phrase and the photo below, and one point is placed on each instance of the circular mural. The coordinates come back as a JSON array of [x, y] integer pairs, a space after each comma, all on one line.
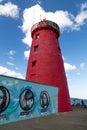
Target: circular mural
[[44, 99], [26, 100], [4, 98]]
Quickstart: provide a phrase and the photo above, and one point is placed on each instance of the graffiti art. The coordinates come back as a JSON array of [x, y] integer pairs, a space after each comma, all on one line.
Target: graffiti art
[[26, 100], [22, 99], [4, 98], [44, 99]]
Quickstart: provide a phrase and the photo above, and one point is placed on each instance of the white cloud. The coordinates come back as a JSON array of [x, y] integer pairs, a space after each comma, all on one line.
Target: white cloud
[[11, 52], [69, 67], [8, 72], [10, 57], [38, 1], [64, 19], [36, 13], [26, 54], [30, 17], [82, 65], [82, 15], [83, 6], [12, 64], [9, 10], [1, 1], [9, 63]]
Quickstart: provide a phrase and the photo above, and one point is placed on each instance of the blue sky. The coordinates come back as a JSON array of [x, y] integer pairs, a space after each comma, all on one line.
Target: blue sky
[[16, 20]]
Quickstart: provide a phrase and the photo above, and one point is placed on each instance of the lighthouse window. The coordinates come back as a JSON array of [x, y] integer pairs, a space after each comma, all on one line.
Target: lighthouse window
[[36, 48], [33, 63], [37, 36]]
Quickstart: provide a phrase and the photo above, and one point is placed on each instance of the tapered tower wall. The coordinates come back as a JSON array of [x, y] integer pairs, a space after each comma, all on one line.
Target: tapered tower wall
[[45, 63]]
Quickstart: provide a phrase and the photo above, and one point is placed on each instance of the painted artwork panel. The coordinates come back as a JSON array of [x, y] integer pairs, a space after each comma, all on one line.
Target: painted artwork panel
[[21, 99]]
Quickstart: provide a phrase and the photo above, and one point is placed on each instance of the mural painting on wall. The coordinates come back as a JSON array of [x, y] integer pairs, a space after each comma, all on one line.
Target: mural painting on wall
[[20, 100]]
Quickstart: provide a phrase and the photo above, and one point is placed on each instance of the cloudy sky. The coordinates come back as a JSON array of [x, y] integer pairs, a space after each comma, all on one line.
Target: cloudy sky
[[16, 20]]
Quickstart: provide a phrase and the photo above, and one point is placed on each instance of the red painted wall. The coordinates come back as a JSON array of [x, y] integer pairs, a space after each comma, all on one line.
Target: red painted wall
[[46, 66]]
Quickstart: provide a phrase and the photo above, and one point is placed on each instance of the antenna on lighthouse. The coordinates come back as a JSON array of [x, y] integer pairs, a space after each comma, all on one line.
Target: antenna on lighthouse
[[33, 21], [40, 17]]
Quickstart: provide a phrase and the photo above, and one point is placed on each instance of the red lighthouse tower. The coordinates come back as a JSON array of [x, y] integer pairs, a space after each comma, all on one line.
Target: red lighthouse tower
[[45, 63]]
